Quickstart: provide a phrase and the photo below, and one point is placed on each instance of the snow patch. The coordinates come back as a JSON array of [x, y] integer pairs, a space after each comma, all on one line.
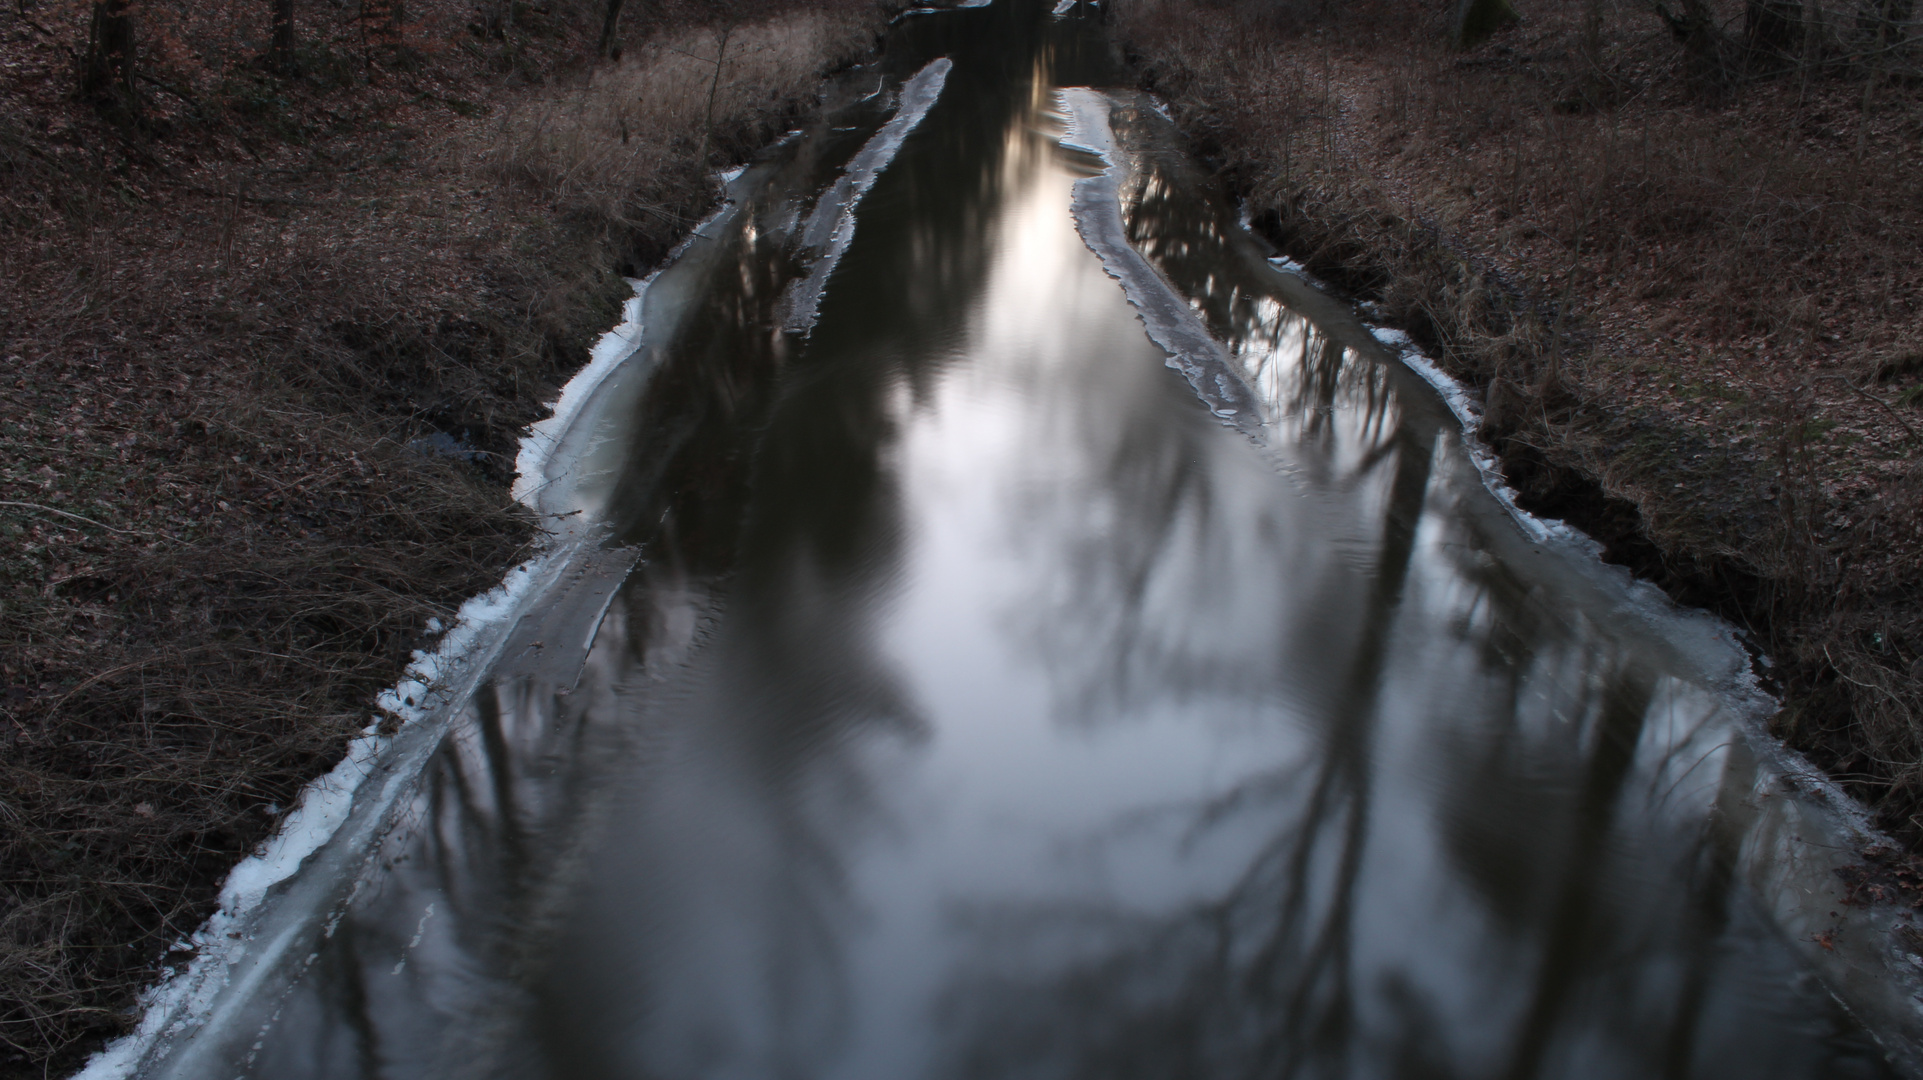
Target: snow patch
[[614, 348]]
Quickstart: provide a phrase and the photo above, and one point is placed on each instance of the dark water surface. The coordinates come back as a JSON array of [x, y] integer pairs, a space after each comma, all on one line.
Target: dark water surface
[[986, 706]]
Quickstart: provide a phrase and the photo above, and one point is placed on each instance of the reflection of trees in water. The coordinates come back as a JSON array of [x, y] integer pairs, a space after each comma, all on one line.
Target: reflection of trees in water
[[413, 977], [756, 465], [1145, 599], [1546, 822], [897, 300], [1261, 979], [1605, 892], [1318, 394], [1257, 981], [792, 694], [1539, 797]]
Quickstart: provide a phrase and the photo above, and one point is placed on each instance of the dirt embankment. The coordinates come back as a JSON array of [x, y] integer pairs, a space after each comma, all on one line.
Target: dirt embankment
[[1691, 298], [268, 338]]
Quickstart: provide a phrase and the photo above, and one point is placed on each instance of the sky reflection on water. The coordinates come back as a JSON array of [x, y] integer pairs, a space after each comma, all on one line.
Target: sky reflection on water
[[984, 707]]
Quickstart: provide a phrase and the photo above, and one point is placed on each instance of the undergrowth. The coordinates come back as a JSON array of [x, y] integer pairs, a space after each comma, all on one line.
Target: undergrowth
[[269, 341]]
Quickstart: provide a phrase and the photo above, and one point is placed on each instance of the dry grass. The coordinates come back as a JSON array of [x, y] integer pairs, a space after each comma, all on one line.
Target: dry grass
[[226, 325], [179, 692], [1689, 306], [583, 147]]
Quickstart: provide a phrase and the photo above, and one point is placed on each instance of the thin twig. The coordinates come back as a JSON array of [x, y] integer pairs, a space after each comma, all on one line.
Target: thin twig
[[1878, 402], [693, 56], [76, 517]]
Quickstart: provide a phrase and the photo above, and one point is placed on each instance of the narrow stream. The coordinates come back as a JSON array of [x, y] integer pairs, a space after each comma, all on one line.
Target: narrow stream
[[998, 697]]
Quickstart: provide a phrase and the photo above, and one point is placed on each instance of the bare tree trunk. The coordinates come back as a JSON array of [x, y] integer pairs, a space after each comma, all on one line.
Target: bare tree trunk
[[1478, 20], [108, 68], [280, 52], [1705, 50], [720, 57], [1773, 28], [1888, 25], [382, 20], [1885, 18], [1595, 79], [609, 25]]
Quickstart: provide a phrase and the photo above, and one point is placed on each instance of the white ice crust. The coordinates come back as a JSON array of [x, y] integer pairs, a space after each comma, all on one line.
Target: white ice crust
[[831, 227], [939, 10], [433, 686], [1170, 322], [181, 1000], [538, 445]]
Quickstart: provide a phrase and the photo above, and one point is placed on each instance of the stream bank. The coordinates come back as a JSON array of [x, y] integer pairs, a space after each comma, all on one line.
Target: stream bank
[[955, 601], [1209, 694], [268, 349], [1691, 320]]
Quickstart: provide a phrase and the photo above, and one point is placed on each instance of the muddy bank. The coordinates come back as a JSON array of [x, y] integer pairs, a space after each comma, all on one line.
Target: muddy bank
[[269, 340], [1690, 318]]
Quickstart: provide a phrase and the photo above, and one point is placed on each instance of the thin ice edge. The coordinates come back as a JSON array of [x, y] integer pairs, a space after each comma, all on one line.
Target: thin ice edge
[[831, 227], [182, 998]]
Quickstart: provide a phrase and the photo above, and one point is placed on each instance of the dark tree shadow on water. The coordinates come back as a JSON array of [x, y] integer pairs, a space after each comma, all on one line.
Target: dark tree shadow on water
[[1256, 982], [1617, 940]]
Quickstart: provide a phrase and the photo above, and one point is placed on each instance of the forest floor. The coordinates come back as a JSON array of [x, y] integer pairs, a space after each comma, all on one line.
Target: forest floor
[[1695, 314], [266, 347]]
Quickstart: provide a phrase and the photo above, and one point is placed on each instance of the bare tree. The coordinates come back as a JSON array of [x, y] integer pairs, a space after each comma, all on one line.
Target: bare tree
[[107, 70], [280, 50], [1476, 20], [1887, 21], [1773, 28], [609, 24], [721, 20], [1706, 50], [722, 32]]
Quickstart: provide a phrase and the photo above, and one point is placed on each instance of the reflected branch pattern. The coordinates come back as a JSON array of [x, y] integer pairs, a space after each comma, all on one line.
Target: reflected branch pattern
[[983, 708]]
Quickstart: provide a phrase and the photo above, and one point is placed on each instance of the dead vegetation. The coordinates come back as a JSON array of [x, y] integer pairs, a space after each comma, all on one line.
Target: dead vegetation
[[582, 147], [1689, 297], [268, 341]]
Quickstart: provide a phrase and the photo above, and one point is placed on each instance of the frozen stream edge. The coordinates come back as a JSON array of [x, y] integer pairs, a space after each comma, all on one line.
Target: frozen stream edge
[[831, 227], [264, 912], [1805, 826], [1798, 827], [1166, 316]]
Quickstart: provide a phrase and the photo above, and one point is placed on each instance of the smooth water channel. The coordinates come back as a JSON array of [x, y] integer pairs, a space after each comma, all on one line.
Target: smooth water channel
[[996, 698]]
